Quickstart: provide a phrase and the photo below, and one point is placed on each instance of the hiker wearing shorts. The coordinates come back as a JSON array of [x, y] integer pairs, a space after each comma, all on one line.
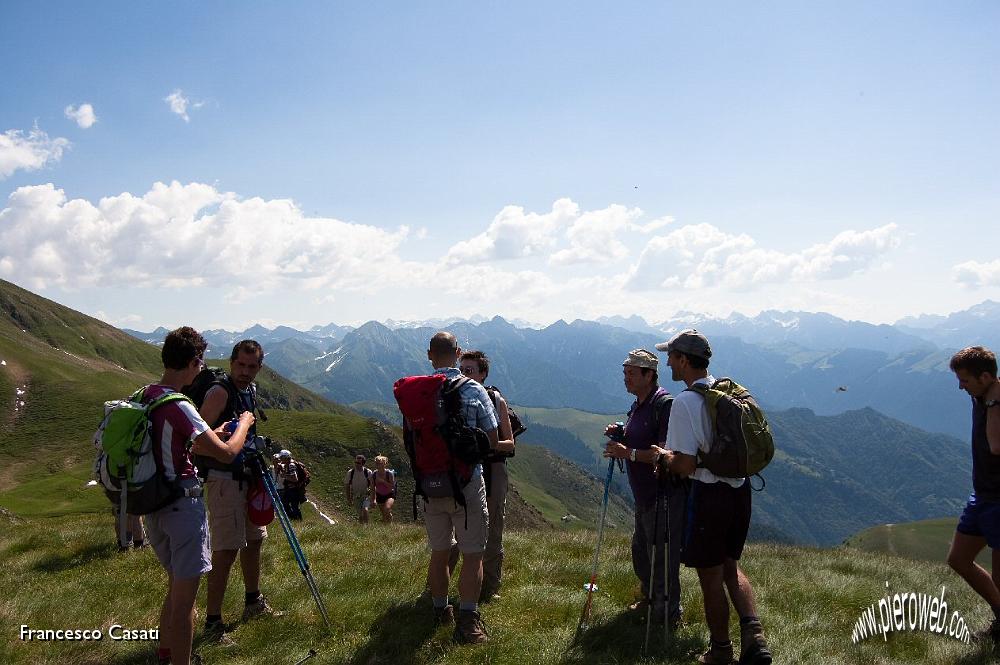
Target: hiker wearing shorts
[[645, 435], [178, 533], [227, 487], [293, 476], [359, 488], [975, 368], [718, 510], [384, 480], [476, 366], [447, 522]]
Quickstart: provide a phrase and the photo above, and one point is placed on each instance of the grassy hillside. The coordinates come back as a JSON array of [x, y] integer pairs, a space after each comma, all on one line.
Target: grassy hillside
[[371, 577], [924, 540]]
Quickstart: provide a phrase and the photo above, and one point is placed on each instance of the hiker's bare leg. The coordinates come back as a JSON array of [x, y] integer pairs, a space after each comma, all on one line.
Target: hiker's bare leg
[[470, 580], [438, 574], [250, 565], [716, 604], [218, 578], [182, 597], [740, 589], [962, 559]]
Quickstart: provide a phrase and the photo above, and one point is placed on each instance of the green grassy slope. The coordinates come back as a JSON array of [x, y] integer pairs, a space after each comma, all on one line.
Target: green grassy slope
[[370, 578], [924, 540]]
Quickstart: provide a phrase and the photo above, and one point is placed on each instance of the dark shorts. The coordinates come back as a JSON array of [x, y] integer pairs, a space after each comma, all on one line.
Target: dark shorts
[[981, 519], [382, 498], [718, 518]]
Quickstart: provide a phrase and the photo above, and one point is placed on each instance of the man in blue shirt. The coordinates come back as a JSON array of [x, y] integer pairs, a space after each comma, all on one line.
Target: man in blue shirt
[[645, 437], [446, 521]]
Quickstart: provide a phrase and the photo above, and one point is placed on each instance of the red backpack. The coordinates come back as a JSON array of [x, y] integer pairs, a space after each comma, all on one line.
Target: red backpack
[[443, 450]]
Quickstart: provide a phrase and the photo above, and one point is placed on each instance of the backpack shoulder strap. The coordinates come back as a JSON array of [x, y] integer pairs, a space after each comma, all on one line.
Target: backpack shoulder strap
[[661, 406]]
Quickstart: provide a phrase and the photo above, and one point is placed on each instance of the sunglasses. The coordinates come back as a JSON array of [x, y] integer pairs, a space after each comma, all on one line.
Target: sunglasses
[[470, 370]]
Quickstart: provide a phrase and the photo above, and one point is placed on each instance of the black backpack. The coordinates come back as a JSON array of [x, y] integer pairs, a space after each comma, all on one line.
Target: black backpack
[[196, 390]]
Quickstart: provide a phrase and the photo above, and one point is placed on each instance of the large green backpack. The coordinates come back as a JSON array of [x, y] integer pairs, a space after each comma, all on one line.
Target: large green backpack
[[126, 466], [741, 438]]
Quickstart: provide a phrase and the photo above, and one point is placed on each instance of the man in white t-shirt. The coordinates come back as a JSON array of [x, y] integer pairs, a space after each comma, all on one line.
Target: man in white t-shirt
[[359, 486], [718, 509]]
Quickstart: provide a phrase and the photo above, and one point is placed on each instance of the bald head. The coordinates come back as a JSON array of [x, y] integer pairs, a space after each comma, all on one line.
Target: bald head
[[443, 350]]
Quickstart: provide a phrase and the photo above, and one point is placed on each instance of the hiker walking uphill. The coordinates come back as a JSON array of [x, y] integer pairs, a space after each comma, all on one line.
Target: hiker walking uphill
[[718, 508], [228, 487], [178, 532], [359, 487], [384, 480], [975, 368], [292, 477], [647, 427], [446, 449], [476, 366]]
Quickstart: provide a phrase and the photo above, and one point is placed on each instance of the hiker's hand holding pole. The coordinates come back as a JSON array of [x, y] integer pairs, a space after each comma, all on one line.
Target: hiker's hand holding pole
[[616, 450]]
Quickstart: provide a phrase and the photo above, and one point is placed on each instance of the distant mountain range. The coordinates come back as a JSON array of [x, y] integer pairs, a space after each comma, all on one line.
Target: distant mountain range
[[788, 359]]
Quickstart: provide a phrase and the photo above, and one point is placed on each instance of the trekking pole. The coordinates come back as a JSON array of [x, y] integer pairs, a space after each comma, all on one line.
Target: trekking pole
[[592, 586], [293, 542], [311, 654], [650, 593], [668, 542]]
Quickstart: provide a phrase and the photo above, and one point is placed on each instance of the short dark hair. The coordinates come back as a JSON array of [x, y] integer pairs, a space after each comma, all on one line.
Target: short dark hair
[[697, 362], [656, 376], [480, 358], [248, 346], [975, 360], [443, 342], [181, 346]]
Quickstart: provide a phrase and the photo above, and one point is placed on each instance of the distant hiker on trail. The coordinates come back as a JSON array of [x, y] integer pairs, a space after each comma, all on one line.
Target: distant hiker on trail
[[292, 478], [359, 487], [385, 487], [179, 532], [645, 434], [718, 509], [447, 465], [476, 366], [975, 368], [227, 488]]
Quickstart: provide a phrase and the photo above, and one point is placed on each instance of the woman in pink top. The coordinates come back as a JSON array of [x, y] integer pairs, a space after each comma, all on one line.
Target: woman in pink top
[[385, 487]]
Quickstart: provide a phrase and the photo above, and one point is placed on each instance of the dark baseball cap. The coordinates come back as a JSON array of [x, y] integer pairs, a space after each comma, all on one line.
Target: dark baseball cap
[[688, 341]]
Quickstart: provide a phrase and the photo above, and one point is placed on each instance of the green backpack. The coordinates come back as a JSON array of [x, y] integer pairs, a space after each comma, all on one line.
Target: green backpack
[[126, 466], [742, 444]]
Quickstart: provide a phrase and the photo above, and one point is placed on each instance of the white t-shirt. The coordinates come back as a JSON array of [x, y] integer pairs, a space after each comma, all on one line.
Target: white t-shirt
[[690, 430], [359, 484]]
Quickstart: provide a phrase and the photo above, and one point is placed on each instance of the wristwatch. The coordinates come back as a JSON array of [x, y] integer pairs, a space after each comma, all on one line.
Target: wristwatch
[[631, 455]]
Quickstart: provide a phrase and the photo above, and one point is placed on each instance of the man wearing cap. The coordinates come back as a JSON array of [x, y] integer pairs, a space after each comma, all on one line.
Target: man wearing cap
[[646, 427], [718, 509]]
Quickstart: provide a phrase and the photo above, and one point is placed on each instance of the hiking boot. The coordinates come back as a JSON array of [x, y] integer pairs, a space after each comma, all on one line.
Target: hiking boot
[[717, 655], [260, 608], [215, 633], [469, 628], [989, 635], [445, 616], [753, 646], [488, 596]]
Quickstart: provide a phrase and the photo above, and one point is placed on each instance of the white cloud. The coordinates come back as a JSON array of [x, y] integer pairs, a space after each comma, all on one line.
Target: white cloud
[[127, 321], [179, 104], [83, 115], [514, 234], [29, 151], [974, 274], [595, 237], [697, 256], [190, 235]]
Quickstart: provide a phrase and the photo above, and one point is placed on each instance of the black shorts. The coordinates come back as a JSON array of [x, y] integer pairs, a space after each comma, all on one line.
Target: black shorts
[[382, 498], [718, 518]]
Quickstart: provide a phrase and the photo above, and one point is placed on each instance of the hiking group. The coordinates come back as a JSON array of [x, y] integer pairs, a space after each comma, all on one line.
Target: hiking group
[[183, 453]]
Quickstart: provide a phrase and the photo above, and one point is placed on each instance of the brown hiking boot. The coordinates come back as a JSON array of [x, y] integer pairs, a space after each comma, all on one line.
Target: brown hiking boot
[[260, 608], [753, 646], [469, 628], [215, 633], [717, 655], [445, 616]]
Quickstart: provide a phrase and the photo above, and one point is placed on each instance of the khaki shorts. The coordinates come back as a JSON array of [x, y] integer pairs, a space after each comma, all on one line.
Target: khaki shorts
[[445, 520], [227, 514]]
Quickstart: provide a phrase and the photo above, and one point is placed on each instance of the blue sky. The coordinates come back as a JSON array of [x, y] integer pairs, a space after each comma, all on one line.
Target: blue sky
[[343, 162]]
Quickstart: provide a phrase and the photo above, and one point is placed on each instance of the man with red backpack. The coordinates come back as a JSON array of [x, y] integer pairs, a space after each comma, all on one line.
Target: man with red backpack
[[449, 426]]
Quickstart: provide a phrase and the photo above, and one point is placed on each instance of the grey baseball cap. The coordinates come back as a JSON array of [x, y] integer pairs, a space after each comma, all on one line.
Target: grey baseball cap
[[641, 358], [688, 341]]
